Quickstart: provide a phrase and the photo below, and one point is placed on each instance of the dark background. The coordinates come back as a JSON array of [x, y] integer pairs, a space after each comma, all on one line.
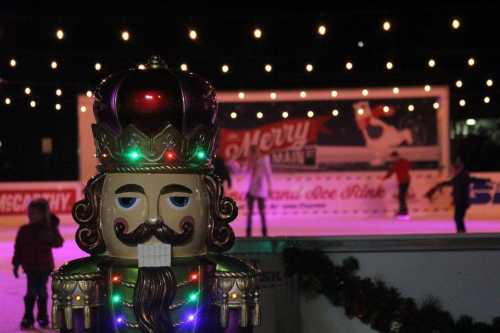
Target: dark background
[[290, 40]]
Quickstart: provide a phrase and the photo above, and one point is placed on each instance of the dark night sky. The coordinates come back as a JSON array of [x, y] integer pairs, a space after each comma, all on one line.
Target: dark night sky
[[289, 41]]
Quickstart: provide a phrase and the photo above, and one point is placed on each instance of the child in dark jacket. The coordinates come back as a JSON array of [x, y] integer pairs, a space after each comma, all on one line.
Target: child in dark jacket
[[33, 252]]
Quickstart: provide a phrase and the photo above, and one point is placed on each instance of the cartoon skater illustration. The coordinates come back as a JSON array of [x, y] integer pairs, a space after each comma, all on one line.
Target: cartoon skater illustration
[[380, 137]]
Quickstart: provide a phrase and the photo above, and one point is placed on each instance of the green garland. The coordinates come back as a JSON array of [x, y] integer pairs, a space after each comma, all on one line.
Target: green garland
[[373, 302]]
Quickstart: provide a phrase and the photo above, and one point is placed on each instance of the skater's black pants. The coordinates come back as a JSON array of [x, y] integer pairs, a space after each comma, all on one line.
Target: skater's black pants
[[403, 191], [261, 203], [36, 290], [460, 210]]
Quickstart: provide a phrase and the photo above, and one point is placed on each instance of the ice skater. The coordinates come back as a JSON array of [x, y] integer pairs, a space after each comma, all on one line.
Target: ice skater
[[401, 167], [460, 184], [259, 167], [33, 252]]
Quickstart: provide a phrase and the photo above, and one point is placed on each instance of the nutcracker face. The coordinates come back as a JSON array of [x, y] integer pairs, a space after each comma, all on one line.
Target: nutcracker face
[[140, 208]]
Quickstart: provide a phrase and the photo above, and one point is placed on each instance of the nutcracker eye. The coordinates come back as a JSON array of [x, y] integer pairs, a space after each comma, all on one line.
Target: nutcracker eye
[[178, 201], [127, 203]]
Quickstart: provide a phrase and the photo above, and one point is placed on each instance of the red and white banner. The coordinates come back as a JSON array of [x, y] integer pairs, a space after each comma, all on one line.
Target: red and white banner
[[363, 194], [289, 134], [15, 197]]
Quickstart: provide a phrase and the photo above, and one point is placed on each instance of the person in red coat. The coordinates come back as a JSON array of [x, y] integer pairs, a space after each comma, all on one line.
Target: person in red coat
[[401, 167], [33, 252]]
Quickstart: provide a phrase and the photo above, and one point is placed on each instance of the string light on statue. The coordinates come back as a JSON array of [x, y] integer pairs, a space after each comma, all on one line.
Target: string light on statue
[[134, 155], [169, 156], [116, 299]]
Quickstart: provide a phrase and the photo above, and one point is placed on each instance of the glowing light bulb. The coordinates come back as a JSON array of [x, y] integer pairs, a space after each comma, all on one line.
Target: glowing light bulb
[[435, 105], [364, 92], [201, 155], [395, 90], [191, 317], [33, 104], [141, 67], [335, 112], [348, 65], [284, 114], [12, 62], [322, 30], [60, 34], [170, 155], [225, 68], [427, 88], [58, 92], [193, 35], [361, 112], [53, 64], [386, 26], [411, 108], [233, 115], [310, 113], [78, 298], [120, 320], [385, 108], [489, 82], [116, 299], [470, 122], [309, 67], [257, 33], [193, 297], [334, 93], [134, 155], [241, 95], [471, 62], [273, 95], [303, 94], [184, 67], [58, 106], [7, 101], [260, 115], [459, 84], [389, 65], [462, 102], [97, 66], [88, 93], [486, 100], [268, 68], [125, 35], [455, 24], [234, 295], [115, 278], [193, 277], [27, 90]]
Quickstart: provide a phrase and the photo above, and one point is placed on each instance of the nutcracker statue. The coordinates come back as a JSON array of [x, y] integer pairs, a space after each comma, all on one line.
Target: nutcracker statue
[[154, 219]]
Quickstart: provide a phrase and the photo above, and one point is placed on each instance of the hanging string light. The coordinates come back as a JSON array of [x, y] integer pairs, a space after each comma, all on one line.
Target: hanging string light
[[322, 30], [268, 68], [184, 67], [27, 90], [386, 26], [193, 35], [53, 64], [455, 24], [12, 62], [458, 83], [58, 92], [389, 65], [59, 34], [225, 68], [97, 66], [348, 65], [489, 82], [257, 33], [431, 63], [125, 35], [309, 68]]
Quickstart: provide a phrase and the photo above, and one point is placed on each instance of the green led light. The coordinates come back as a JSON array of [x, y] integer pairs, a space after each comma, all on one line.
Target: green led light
[[116, 299], [193, 297], [200, 154], [134, 155]]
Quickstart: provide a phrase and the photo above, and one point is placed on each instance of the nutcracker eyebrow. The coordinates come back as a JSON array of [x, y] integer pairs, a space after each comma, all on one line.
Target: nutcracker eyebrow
[[175, 188], [130, 188]]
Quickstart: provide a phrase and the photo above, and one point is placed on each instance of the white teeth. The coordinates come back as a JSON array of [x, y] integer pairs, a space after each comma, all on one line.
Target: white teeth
[[154, 255]]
